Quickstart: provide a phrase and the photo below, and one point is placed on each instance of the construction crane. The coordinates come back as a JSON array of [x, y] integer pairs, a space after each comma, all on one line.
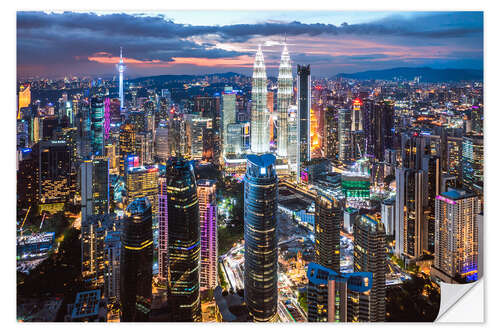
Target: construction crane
[[22, 225]]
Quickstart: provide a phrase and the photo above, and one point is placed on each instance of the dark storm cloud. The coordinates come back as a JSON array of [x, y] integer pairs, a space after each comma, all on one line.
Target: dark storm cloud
[[432, 25], [70, 38]]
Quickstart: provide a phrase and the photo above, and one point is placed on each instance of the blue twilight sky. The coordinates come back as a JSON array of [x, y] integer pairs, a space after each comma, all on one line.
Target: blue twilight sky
[[195, 42]]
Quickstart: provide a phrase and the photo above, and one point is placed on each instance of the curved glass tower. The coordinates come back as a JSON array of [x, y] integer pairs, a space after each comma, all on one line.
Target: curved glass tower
[[261, 238], [259, 117], [183, 285], [285, 94], [136, 267]]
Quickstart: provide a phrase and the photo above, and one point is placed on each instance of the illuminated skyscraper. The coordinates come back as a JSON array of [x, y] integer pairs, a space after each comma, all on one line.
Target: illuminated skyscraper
[[457, 235], [472, 163], [357, 115], [97, 125], [208, 237], [136, 266], [162, 147], [261, 237], [304, 115], [24, 99], [370, 256], [183, 287], [142, 181], [55, 183], [293, 147], [411, 222], [329, 216], [93, 233], [163, 230], [127, 145], [331, 136], [94, 183], [121, 69], [228, 116], [198, 129], [285, 95], [344, 130], [260, 115]]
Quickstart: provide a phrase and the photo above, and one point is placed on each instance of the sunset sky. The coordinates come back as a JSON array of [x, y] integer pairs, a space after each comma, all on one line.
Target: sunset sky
[[55, 44]]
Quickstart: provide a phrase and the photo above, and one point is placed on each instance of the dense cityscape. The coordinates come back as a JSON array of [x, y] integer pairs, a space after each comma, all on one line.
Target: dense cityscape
[[275, 197]]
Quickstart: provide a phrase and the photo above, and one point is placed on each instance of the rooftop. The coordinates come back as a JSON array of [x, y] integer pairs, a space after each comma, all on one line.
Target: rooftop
[[262, 161], [456, 194], [86, 304], [139, 206]]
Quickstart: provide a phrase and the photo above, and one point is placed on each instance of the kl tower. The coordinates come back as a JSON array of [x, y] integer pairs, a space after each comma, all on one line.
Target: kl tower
[[121, 68]]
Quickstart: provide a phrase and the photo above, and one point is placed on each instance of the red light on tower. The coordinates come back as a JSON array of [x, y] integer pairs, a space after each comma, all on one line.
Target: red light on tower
[[357, 101]]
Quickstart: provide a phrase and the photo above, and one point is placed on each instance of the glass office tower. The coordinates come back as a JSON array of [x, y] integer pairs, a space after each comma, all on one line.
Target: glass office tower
[[183, 286], [261, 237], [136, 270]]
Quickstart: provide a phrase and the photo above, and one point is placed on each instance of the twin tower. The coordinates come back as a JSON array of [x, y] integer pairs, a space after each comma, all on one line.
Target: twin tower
[[260, 134]]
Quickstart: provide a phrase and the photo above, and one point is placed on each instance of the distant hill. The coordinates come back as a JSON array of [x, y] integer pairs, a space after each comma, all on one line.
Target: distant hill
[[172, 77], [426, 74]]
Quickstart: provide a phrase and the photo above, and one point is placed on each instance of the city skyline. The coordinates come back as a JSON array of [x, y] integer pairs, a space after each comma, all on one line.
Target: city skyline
[[79, 43], [230, 198]]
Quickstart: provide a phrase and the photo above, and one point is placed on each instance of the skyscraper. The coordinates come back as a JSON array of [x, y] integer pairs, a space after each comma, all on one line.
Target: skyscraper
[[127, 145], [410, 224], [94, 183], [55, 183], [285, 95], [136, 266], [94, 230], [341, 291], [457, 235], [292, 151], [121, 69], [261, 238], [142, 181], [329, 216], [344, 125], [304, 115], [260, 116], [331, 137], [162, 230], [228, 116], [472, 163], [208, 230], [370, 256], [183, 288]]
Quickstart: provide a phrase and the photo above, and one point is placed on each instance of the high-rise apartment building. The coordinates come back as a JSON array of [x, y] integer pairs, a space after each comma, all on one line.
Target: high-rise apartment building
[[456, 237], [329, 216], [162, 230], [261, 238], [370, 256], [208, 233]]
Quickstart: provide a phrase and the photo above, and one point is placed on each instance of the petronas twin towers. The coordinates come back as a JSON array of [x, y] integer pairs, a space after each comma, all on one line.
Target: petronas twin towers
[[260, 134]]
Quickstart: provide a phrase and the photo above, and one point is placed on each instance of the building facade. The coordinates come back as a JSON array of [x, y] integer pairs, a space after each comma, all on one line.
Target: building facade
[[261, 238]]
